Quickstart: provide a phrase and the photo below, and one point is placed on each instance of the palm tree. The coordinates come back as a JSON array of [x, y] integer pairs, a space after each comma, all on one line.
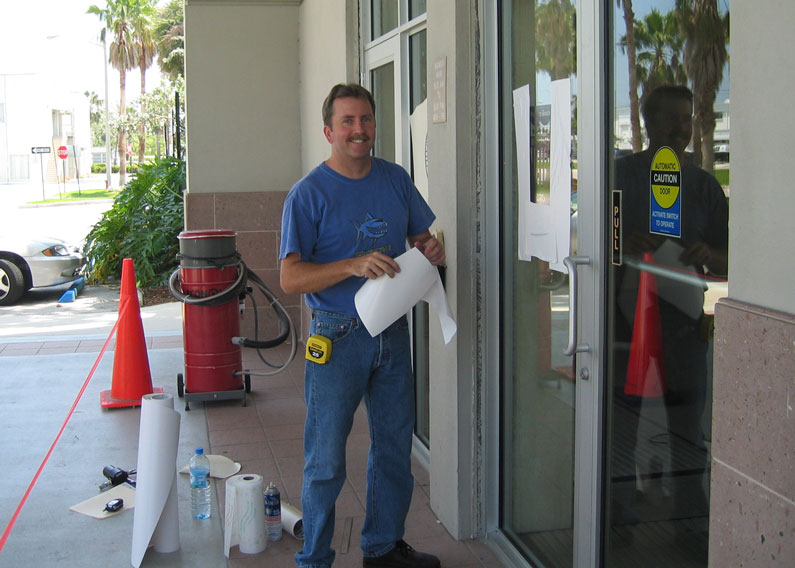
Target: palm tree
[[145, 47], [556, 38], [634, 105], [117, 17], [170, 33], [95, 118], [659, 51], [706, 36]]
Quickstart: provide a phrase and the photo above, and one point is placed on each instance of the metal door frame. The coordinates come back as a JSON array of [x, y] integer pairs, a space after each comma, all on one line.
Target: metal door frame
[[591, 290]]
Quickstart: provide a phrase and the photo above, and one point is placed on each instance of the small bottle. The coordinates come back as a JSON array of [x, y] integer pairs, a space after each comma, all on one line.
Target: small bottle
[[200, 498], [273, 512]]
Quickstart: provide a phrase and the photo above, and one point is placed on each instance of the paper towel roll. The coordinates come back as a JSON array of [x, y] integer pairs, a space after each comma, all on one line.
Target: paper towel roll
[[156, 519], [244, 520], [292, 521]]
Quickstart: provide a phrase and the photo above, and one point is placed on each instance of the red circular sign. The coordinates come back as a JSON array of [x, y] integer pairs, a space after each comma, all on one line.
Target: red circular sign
[[62, 152]]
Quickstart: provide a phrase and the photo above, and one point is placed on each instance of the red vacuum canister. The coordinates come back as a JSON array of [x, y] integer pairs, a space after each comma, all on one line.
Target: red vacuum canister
[[213, 278], [213, 284]]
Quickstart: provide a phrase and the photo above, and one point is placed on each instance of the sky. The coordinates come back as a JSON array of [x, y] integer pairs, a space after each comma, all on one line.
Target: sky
[[59, 38]]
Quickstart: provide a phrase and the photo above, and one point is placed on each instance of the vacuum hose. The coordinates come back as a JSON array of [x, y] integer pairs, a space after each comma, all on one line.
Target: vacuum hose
[[232, 293]]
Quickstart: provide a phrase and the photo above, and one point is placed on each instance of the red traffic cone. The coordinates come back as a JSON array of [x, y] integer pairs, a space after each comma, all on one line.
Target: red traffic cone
[[132, 378], [646, 370]]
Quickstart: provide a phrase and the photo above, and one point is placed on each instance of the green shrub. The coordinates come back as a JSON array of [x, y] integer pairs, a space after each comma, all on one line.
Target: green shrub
[[97, 168], [143, 224], [131, 168]]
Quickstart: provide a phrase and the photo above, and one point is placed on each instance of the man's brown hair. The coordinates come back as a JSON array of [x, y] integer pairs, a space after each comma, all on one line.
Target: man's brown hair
[[340, 91]]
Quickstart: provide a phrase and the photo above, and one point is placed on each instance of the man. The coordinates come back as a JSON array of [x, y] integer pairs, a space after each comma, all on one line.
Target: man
[[698, 248], [342, 223]]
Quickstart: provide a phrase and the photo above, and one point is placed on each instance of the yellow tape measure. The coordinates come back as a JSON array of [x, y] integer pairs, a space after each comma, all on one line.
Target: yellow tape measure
[[318, 349]]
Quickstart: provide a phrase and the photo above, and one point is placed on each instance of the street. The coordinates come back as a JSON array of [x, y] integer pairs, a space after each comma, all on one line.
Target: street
[[70, 222]]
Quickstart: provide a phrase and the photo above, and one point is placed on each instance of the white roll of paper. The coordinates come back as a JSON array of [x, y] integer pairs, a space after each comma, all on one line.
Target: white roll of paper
[[156, 519], [244, 519], [292, 521]]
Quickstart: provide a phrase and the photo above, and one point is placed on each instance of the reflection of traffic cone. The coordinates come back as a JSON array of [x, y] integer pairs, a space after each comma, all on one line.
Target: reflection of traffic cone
[[646, 371], [131, 376]]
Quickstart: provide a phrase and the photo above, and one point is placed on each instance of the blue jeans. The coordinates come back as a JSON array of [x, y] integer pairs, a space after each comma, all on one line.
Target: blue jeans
[[378, 370]]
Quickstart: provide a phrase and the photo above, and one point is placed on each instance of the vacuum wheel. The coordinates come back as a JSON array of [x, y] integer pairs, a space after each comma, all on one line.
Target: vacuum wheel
[[180, 385], [247, 382]]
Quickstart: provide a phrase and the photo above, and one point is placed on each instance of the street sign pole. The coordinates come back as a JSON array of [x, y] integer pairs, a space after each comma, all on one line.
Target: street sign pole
[[41, 167], [75, 155], [63, 153], [41, 150]]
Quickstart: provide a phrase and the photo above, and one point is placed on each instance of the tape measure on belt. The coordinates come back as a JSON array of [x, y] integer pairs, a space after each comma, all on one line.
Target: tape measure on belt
[[318, 349]]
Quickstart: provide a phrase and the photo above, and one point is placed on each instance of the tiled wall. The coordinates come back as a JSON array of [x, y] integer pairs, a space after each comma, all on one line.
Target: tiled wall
[[256, 217], [753, 478]]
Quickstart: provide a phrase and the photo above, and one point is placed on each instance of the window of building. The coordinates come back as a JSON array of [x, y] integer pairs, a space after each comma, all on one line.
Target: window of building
[[395, 64]]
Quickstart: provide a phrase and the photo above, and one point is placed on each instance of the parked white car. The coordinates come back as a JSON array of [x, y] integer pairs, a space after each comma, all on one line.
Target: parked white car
[[35, 262]]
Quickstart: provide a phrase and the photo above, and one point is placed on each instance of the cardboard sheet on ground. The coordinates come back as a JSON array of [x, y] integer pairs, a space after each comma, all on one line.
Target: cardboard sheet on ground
[[220, 466], [95, 507], [382, 301]]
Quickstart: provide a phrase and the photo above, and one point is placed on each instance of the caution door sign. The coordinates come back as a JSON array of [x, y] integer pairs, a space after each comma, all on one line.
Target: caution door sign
[[665, 203]]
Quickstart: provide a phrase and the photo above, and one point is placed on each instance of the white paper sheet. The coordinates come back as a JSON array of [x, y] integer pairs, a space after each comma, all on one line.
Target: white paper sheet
[[544, 229], [560, 170], [156, 519], [382, 301], [419, 147], [244, 519]]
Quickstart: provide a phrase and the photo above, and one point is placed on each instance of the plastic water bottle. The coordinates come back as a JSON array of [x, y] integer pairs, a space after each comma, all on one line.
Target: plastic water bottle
[[200, 499], [273, 512]]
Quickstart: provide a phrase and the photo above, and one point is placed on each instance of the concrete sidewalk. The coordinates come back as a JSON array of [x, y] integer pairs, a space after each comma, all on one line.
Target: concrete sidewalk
[[38, 316], [47, 351]]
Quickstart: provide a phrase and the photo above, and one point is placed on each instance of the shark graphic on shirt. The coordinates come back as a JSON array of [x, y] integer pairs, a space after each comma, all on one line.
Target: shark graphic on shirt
[[370, 228]]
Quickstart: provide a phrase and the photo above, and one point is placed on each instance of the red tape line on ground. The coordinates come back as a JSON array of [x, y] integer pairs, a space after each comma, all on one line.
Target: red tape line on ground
[[12, 522]]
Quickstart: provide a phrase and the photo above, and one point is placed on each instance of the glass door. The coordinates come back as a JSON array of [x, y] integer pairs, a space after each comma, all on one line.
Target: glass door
[[668, 206], [543, 382], [606, 336]]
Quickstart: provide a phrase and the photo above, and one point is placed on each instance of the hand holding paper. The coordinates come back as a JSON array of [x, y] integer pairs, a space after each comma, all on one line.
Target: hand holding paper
[[380, 302]]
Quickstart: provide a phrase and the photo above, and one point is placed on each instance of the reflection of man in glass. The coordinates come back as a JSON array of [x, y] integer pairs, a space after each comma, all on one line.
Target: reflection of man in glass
[[700, 249]]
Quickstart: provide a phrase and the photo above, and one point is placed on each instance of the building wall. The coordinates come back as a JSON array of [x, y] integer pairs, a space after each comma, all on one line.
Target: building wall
[[254, 128], [328, 54], [243, 129], [29, 100], [453, 148], [753, 486], [242, 75], [257, 73], [761, 186], [752, 476]]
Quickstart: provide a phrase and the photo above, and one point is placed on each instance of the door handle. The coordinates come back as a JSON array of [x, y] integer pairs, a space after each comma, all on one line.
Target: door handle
[[571, 263]]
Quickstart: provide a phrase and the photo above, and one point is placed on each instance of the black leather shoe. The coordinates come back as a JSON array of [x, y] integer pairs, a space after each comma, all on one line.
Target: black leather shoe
[[402, 556]]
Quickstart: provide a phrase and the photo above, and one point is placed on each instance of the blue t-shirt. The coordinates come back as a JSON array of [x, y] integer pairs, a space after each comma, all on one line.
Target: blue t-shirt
[[329, 217]]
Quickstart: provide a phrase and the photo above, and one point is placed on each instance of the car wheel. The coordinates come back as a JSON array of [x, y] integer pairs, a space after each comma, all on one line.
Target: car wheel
[[12, 284]]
